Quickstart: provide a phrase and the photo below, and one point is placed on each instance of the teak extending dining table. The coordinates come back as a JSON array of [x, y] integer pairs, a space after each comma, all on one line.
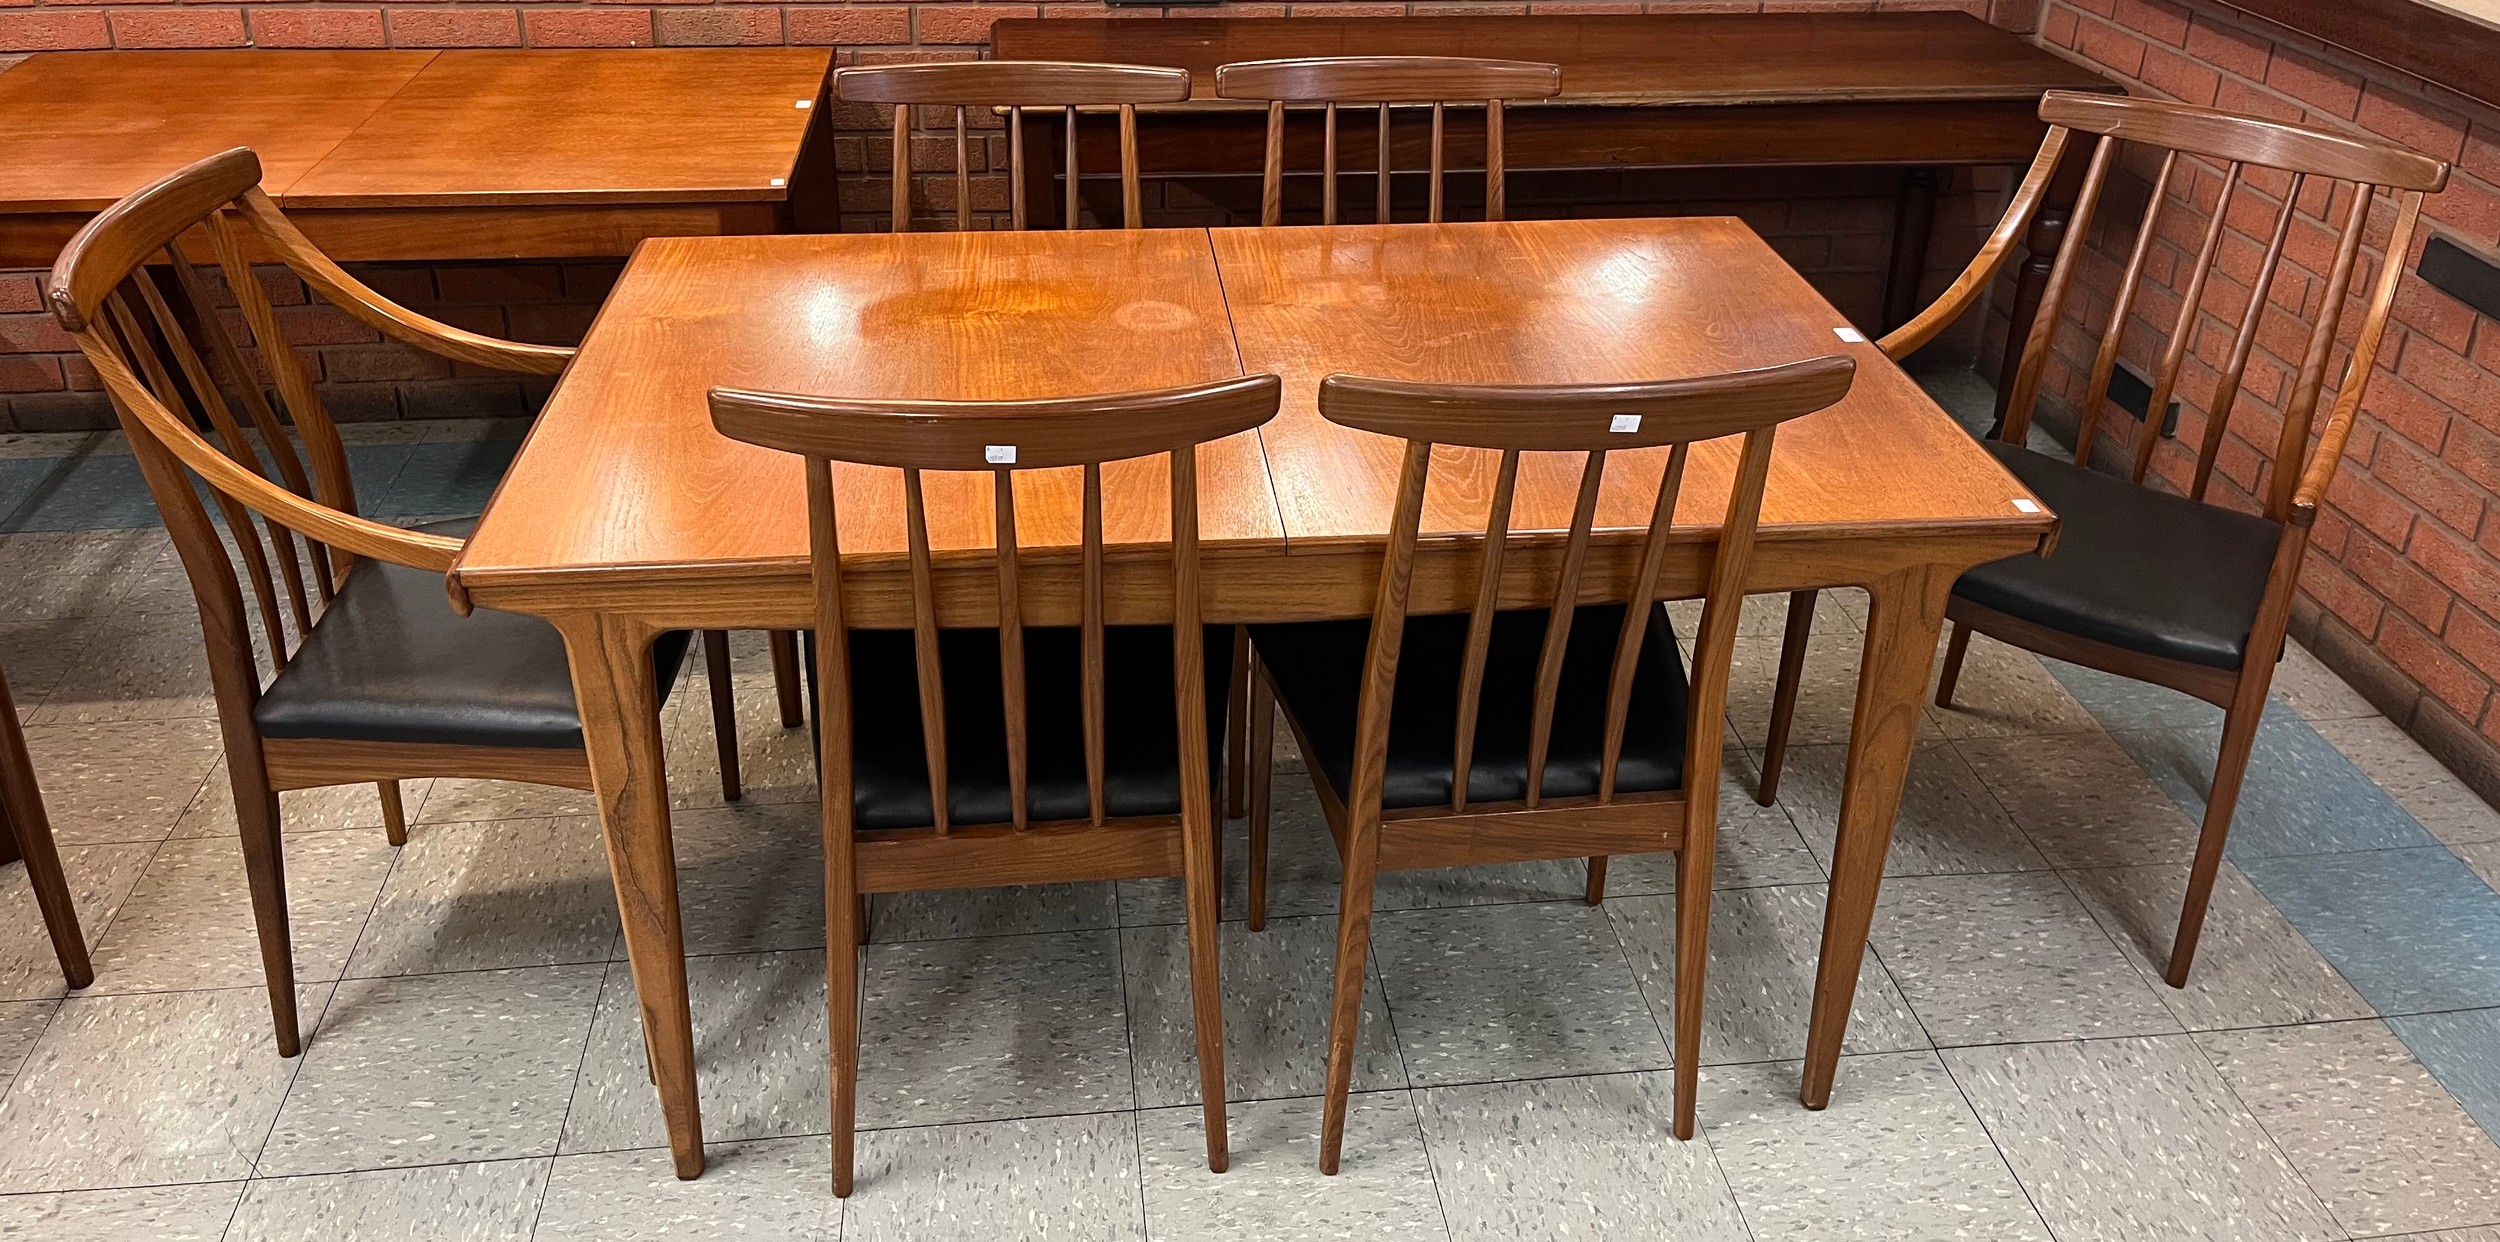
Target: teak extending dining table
[[626, 515], [461, 154]]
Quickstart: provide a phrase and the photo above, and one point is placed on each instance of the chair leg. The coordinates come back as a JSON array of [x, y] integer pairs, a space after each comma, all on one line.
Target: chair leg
[[1201, 878], [1236, 735], [1694, 863], [394, 814], [2239, 735], [844, 908], [1262, 779], [1784, 694], [724, 711], [264, 872], [1956, 646], [1597, 879], [1345, 1020], [784, 645], [22, 817]]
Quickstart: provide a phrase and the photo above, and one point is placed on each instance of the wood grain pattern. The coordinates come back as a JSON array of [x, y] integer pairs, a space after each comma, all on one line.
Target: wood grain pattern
[[624, 472], [2245, 139], [86, 128], [492, 127], [462, 154], [1560, 302]]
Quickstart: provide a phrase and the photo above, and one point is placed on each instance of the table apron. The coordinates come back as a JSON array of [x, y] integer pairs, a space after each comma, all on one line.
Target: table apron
[[1919, 133], [1314, 584], [443, 234]]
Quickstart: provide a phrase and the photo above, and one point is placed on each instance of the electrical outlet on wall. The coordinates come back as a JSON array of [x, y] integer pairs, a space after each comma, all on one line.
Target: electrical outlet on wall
[[2132, 392]]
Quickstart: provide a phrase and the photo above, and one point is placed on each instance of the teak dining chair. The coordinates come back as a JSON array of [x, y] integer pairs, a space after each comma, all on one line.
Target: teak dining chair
[[1013, 735], [1383, 80], [24, 825], [383, 680], [2151, 584], [1510, 736], [1014, 85]]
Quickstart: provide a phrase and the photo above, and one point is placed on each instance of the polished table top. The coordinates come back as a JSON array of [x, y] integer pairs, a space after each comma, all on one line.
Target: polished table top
[[624, 470], [1681, 58], [1578, 301], [612, 125], [85, 128], [623, 477], [539, 152]]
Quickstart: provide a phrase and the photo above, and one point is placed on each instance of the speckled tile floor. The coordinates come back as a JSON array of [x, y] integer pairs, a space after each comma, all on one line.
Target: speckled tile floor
[[2016, 1069]]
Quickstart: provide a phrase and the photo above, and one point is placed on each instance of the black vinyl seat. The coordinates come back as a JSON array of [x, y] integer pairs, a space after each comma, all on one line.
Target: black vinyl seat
[[389, 661], [2135, 568], [1141, 727], [1317, 669]]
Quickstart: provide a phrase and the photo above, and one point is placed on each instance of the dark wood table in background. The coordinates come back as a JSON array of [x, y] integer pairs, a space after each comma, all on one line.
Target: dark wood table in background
[[1916, 91]]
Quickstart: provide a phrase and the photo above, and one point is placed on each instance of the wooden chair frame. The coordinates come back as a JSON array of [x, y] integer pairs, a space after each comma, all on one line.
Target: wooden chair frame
[[1004, 438], [141, 311], [1013, 85], [1384, 80], [1587, 419], [2290, 496]]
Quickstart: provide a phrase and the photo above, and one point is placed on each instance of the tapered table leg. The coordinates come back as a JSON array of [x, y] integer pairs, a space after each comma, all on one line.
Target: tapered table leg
[[28, 835], [1907, 610], [620, 706]]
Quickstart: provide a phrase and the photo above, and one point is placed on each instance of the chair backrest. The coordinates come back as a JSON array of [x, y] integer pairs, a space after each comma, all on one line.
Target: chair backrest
[[1002, 438], [1385, 80], [1014, 85], [153, 325], [1594, 420], [2351, 171]]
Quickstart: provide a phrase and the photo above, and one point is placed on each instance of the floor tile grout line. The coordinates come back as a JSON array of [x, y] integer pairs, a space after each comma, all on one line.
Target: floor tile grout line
[[48, 1019], [1128, 1036], [1993, 1143], [598, 1004], [2272, 1139], [2159, 986], [1432, 1168], [2434, 841], [304, 1051]]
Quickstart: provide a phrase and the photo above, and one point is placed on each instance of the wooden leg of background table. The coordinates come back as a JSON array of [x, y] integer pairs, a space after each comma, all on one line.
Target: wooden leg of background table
[[1905, 613], [2031, 278], [1913, 225], [620, 706]]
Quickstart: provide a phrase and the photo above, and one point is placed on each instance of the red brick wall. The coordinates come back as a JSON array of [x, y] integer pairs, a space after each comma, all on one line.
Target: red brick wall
[[2402, 585], [1833, 226]]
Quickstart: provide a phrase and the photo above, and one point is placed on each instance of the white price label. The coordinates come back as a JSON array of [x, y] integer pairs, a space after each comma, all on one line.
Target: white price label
[[999, 454], [1625, 422]]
